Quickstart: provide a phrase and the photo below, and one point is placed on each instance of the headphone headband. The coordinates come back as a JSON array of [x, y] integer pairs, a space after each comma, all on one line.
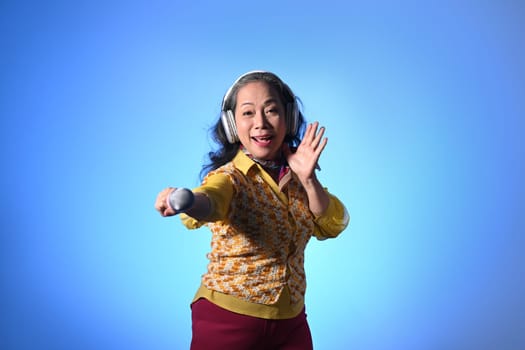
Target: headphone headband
[[230, 89]]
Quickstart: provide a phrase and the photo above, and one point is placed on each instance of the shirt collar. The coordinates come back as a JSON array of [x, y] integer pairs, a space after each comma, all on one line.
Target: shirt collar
[[243, 162]]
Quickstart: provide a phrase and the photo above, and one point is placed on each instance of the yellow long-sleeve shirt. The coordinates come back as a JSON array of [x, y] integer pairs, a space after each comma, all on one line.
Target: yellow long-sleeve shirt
[[259, 233]]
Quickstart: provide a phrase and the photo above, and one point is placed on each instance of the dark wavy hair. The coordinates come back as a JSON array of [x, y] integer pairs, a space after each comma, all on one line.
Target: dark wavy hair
[[226, 151]]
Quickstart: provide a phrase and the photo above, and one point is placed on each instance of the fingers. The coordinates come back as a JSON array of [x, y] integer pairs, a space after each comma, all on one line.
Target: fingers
[[321, 145], [168, 212], [161, 203], [314, 137]]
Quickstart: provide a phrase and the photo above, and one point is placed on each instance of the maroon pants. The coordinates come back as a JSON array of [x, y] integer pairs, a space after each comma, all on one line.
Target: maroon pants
[[215, 328]]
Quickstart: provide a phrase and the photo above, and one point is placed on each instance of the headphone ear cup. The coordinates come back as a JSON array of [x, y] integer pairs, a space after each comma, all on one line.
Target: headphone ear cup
[[228, 123], [292, 118]]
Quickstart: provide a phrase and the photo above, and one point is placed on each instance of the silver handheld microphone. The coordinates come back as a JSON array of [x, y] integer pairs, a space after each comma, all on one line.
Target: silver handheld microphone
[[181, 199]]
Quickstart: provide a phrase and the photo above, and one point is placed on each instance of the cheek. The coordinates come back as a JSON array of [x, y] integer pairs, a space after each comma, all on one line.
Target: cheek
[[281, 125], [242, 127]]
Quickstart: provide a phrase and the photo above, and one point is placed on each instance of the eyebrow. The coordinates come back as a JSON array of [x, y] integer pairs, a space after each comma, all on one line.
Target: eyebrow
[[265, 103]]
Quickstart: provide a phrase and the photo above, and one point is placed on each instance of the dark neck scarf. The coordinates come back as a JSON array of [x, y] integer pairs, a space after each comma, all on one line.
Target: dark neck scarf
[[267, 164]]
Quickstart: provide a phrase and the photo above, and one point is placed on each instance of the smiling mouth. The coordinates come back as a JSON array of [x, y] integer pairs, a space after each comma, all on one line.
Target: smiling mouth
[[262, 140]]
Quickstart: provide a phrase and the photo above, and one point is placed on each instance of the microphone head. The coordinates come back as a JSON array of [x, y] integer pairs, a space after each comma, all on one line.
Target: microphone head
[[181, 199]]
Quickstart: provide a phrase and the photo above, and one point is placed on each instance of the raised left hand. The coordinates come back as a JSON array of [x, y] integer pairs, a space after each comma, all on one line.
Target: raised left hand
[[304, 160]]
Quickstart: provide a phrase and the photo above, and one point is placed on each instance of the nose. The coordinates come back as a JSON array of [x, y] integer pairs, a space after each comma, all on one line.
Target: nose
[[260, 121]]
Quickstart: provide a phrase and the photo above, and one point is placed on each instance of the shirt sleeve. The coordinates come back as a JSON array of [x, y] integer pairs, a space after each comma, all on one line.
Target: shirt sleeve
[[219, 190], [333, 221]]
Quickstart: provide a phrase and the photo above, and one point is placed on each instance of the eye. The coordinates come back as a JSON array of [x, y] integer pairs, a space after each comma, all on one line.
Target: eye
[[272, 110]]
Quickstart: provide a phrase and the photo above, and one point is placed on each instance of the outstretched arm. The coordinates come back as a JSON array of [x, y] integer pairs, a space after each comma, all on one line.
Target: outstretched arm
[[200, 209], [303, 163]]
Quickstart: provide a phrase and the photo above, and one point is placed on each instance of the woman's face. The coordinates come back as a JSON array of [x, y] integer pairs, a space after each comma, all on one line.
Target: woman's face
[[260, 120]]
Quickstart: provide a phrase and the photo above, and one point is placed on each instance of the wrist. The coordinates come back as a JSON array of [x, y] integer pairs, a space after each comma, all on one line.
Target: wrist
[[310, 182]]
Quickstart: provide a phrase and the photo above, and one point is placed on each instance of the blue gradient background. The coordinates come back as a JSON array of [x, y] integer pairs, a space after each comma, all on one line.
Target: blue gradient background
[[105, 103]]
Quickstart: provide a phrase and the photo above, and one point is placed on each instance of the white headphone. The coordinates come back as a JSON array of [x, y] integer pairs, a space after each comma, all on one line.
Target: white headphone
[[228, 118]]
